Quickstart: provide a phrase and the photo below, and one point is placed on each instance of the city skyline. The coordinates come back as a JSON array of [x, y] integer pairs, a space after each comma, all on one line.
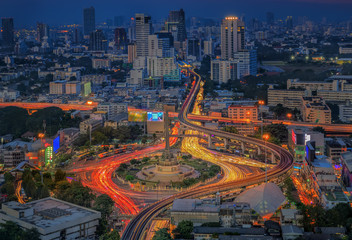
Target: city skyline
[[70, 12]]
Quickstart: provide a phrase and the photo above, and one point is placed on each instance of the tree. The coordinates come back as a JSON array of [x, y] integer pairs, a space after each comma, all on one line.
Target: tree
[[75, 193], [129, 178], [13, 121], [11, 231], [162, 234], [60, 175], [113, 235], [230, 129], [184, 230], [319, 129], [104, 204]]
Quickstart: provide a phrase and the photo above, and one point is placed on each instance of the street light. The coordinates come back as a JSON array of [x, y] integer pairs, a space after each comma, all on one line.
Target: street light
[[261, 102], [289, 115], [266, 138]]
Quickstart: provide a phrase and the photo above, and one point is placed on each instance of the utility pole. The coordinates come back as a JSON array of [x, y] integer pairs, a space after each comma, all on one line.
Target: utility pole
[[167, 140]]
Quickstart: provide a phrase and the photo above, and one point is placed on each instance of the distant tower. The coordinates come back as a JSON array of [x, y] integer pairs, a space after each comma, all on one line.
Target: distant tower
[[8, 32], [42, 31], [270, 18], [143, 30], [121, 38], [89, 20], [289, 22], [97, 41], [232, 37], [176, 24]]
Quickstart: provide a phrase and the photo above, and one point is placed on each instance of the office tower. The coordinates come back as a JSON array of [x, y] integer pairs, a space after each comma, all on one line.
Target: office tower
[[208, 47], [89, 20], [42, 31], [176, 24], [8, 32], [232, 37], [97, 41], [194, 48], [246, 63], [289, 22], [143, 30], [132, 52], [77, 35], [270, 18], [132, 30], [119, 21], [121, 38], [221, 71], [161, 44]]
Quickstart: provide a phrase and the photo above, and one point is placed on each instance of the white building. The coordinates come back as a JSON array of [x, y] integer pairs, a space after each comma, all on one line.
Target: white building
[[101, 63], [246, 63], [112, 109], [223, 70], [53, 218], [158, 67], [345, 112]]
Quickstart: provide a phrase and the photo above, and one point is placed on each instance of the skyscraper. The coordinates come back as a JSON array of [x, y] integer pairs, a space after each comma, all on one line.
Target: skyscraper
[[42, 31], [270, 18], [194, 48], [8, 32], [232, 37], [176, 24], [143, 30], [89, 20], [161, 44], [121, 39], [97, 41], [289, 22]]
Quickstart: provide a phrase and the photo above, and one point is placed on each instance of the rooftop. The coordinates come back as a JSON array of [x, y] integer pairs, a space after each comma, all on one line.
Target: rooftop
[[49, 213], [193, 205]]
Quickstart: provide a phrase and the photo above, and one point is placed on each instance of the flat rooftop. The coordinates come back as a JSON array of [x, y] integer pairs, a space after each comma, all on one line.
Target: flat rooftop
[[193, 205], [50, 212]]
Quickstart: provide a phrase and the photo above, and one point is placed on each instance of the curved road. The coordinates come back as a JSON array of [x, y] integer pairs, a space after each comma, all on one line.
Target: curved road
[[136, 228]]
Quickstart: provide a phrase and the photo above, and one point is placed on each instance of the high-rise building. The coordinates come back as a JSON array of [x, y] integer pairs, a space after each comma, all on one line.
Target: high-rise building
[[161, 44], [143, 30], [89, 20], [270, 18], [77, 35], [208, 47], [8, 32], [223, 70], [246, 63], [194, 48], [121, 39], [119, 21], [289, 22], [132, 52], [232, 37], [176, 24], [132, 30], [42, 31], [97, 41]]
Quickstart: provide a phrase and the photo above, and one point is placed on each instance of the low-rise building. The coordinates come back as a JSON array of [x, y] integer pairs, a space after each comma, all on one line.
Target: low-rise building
[[101, 63], [53, 218], [315, 110], [290, 98], [13, 156], [243, 112], [90, 125], [334, 148]]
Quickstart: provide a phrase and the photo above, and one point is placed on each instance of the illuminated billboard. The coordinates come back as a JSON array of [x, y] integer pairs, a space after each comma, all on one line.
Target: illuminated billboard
[[48, 155], [137, 116], [155, 116], [56, 144]]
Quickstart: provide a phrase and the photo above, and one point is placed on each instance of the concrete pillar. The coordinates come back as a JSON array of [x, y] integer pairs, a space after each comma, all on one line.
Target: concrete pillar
[[242, 147], [273, 159], [210, 142], [259, 150], [226, 143]]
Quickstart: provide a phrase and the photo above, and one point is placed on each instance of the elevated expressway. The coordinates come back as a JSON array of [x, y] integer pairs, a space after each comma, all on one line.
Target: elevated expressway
[[136, 229]]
